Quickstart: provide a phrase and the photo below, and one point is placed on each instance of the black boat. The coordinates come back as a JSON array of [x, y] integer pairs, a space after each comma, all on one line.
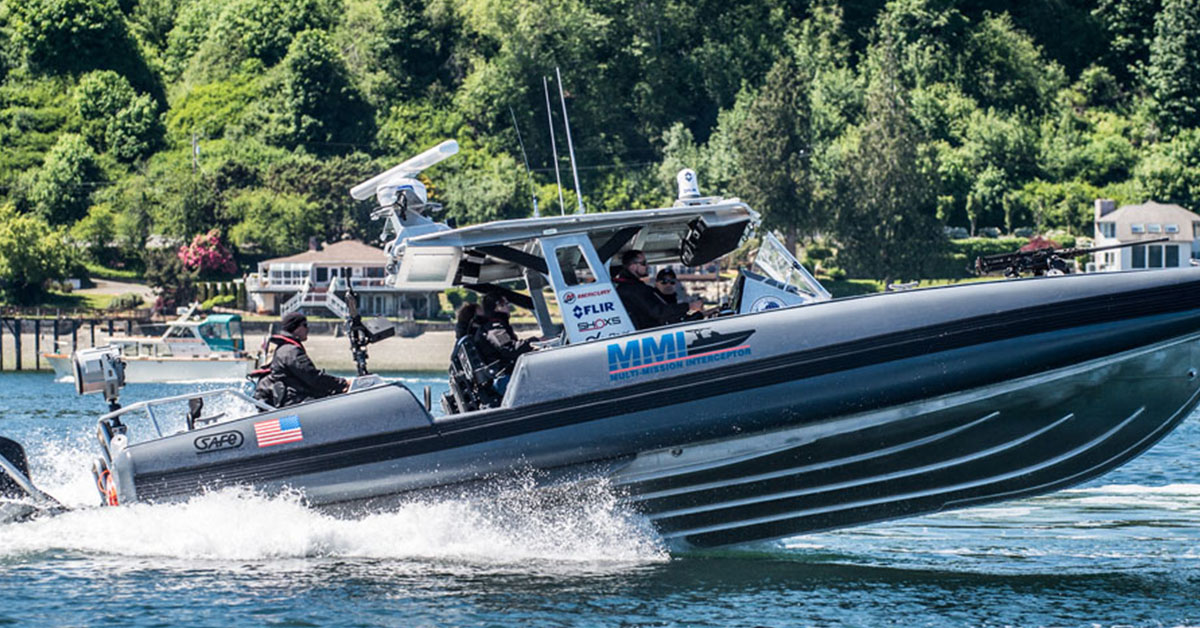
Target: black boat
[[792, 413]]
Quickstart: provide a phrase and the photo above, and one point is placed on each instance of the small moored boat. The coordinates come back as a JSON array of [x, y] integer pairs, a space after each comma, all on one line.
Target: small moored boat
[[208, 349]]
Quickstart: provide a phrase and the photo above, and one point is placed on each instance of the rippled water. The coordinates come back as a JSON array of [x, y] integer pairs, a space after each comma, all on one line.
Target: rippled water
[[1122, 550]]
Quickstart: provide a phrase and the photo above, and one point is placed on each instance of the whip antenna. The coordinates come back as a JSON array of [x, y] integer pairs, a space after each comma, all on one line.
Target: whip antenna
[[528, 172], [562, 206], [570, 147]]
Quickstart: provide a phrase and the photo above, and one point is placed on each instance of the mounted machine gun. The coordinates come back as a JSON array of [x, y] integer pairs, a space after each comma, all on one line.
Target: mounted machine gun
[[362, 333], [1042, 261]]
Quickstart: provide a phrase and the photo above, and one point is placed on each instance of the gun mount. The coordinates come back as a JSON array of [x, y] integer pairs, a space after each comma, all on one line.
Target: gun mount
[[1042, 261], [362, 333]]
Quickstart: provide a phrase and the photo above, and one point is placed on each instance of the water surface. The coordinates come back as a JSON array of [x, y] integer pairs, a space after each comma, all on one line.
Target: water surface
[[1121, 550]]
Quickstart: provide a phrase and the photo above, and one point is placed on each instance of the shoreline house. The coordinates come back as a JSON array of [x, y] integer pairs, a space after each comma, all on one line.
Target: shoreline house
[[312, 281], [1148, 221]]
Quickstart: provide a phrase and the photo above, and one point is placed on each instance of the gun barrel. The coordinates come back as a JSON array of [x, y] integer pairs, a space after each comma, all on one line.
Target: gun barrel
[[1108, 247]]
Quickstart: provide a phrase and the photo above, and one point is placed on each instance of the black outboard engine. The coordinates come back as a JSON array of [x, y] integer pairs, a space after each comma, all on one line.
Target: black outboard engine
[[12, 453], [19, 498]]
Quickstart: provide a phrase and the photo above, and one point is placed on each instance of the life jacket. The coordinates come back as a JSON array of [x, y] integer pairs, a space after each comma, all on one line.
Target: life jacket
[[265, 368], [265, 389]]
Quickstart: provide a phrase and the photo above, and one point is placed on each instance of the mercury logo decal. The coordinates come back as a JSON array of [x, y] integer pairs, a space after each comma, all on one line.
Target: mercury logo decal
[[569, 298], [214, 442]]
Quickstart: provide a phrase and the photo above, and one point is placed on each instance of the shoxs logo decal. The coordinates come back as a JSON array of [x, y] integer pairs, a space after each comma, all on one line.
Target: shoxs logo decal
[[599, 323], [674, 351]]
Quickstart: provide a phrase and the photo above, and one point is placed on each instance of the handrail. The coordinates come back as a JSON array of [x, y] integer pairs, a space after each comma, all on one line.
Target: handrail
[[148, 406]]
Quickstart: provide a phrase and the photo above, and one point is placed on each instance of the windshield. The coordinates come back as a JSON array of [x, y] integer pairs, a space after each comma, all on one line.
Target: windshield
[[774, 261]]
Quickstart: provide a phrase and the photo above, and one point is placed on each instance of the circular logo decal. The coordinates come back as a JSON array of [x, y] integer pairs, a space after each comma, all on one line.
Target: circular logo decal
[[569, 298], [766, 303]]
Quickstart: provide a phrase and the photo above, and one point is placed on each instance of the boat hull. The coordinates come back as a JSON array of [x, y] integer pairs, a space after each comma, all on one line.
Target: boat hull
[[1008, 440], [152, 370], [1008, 395]]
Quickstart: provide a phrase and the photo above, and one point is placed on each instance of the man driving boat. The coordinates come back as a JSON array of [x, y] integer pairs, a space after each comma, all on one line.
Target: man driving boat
[[645, 308]]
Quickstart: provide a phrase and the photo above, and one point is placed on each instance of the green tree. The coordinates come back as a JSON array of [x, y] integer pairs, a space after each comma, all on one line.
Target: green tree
[[60, 191], [320, 109], [173, 283], [114, 117], [776, 149], [135, 131], [886, 203], [275, 224], [75, 36], [96, 99], [1173, 75], [1170, 171], [1129, 25], [31, 253], [261, 30], [324, 181], [97, 232]]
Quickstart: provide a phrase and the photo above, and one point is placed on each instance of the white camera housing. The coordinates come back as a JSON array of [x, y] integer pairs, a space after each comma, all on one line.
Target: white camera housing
[[100, 369]]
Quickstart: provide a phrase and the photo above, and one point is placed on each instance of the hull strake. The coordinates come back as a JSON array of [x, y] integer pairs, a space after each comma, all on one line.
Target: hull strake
[[923, 458]]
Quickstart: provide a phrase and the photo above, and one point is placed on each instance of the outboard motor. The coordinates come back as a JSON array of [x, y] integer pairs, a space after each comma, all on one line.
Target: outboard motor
[[14, 470], [19, 498]]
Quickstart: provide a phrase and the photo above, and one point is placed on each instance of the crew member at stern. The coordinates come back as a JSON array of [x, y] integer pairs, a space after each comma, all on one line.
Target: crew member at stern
[[645, 307], [292, 378]]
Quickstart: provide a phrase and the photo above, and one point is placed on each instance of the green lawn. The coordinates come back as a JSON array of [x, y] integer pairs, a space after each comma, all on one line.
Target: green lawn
[[117, 274]]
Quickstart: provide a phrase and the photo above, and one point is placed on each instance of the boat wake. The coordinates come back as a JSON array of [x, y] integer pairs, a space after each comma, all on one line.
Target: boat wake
[[587, 529]]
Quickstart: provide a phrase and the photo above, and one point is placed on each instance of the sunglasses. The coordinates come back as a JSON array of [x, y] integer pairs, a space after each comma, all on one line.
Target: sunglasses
[[667, 281]]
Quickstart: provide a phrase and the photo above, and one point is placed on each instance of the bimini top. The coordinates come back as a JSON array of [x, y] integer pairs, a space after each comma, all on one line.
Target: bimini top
[[501, 251]]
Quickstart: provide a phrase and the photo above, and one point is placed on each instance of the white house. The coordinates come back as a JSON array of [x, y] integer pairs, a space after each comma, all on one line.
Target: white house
[[1148, 221], [311, 280]]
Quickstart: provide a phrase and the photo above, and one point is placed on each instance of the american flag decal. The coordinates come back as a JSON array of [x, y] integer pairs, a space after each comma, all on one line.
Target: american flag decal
[[278, 431]]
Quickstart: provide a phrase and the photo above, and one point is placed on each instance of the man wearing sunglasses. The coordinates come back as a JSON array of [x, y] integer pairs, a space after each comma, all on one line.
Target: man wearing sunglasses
[[290, 377], [668, 289], [646, 308]]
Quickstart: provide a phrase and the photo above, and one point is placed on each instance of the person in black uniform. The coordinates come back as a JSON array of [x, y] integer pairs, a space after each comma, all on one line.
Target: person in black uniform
[[665, 284], [465, 320], [494, 335], [292, 377], [646, 309]]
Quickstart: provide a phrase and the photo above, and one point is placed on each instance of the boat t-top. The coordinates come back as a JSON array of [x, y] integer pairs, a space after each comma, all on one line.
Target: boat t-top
[[789, 413]]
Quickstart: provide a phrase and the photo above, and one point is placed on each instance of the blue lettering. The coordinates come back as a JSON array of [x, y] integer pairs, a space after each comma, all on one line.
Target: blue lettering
[[622, 359], [668, 347]]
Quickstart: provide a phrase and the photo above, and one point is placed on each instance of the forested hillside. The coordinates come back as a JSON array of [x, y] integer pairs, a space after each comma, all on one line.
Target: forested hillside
[[870, 124]]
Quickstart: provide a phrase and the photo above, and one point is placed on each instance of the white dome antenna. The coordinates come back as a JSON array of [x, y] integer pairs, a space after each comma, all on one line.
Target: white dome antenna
[[689, 188]]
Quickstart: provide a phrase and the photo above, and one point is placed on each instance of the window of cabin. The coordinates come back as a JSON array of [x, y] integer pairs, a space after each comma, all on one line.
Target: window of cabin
[[322, 274], [1171, 228], [1172, 253], [1139, 256], [1107, 229], [574, 266], [1156, 255], [1137, 228], [1154, 227]]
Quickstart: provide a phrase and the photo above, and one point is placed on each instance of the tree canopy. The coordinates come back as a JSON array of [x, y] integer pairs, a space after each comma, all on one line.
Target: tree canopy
[[870, 125]]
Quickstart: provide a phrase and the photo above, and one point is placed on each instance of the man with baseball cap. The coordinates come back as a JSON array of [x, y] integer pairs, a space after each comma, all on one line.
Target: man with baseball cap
[[290, 377]]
